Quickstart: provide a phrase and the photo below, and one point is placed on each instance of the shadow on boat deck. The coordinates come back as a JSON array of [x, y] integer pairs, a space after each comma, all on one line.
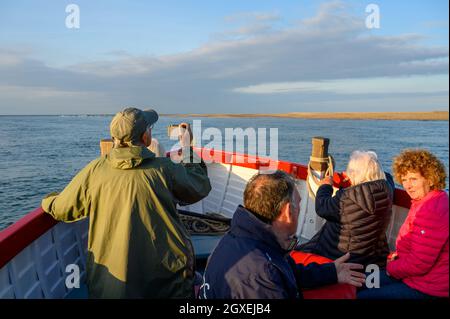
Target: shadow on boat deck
[[78, 293], [204, 246]]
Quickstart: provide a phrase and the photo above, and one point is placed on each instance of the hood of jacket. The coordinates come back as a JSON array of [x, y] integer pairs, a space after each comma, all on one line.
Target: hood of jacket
[[129, 157]]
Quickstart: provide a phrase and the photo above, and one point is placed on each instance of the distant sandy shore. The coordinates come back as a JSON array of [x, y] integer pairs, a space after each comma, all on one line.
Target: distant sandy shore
[[418, 116]]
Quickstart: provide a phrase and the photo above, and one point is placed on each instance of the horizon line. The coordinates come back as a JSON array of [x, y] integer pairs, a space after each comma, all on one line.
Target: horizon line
[[437, 115]]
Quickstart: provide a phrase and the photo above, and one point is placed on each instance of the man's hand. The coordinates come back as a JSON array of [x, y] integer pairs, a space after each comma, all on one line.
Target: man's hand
[[346, 272], [185, 135]]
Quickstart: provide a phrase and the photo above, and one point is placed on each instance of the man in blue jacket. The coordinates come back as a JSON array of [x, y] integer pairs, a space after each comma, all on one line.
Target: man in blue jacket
[[252, 260]]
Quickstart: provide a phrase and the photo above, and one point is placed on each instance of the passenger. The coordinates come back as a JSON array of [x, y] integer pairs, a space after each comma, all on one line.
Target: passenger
[[137, 246], [419, 268], [252, 260], [356, 217]]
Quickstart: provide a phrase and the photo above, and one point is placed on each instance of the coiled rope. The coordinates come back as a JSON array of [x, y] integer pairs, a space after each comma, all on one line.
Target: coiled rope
[[312, 179], [204, 224]]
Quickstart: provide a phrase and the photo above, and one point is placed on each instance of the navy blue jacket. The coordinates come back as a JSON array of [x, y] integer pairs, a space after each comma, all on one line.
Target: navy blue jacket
[[248, 263]]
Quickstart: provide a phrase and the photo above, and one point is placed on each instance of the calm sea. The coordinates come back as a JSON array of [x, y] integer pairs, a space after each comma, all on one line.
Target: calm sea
[[41, 154]]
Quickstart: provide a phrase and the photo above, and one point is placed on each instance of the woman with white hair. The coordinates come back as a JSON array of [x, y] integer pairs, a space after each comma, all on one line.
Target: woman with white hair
[[356, 217]]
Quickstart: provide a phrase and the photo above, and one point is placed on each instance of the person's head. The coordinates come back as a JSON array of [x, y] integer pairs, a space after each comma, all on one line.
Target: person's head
[[133, 126], [274, 197], [363, 166], [419, 172]]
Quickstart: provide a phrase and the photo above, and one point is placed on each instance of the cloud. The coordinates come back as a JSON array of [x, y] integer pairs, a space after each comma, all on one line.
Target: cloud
[[382, 85], [332, 47], [12, 57], [8, 59], [333, 17], [426, 64], [33, 93], [436, 24], [247, 25], [252, 16], [245, 31], [44, 100]]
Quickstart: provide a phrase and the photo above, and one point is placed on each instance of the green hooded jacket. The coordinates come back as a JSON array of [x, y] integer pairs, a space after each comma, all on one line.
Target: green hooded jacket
[[137, 246]]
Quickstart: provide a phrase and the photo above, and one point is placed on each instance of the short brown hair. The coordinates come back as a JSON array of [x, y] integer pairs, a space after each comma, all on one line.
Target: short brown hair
[[265, 194], [423, 162]]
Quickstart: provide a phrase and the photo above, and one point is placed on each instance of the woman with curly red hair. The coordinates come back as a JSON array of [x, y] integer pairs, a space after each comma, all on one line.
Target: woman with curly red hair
[[419, 268]]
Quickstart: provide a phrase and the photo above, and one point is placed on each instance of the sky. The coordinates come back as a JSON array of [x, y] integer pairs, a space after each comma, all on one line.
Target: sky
[[227, 56]]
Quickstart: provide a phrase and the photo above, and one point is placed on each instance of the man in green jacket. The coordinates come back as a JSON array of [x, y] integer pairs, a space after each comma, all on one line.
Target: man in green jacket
[[137, 246]]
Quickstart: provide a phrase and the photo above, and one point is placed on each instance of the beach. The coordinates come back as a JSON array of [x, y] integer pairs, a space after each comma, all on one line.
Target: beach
[[412, 116]]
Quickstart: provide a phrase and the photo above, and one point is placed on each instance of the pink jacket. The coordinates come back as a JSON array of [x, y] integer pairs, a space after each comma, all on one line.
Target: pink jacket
[[422, 246]]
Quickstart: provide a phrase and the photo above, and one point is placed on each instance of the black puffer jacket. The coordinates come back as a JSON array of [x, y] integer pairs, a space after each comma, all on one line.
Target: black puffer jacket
[[356, 221]]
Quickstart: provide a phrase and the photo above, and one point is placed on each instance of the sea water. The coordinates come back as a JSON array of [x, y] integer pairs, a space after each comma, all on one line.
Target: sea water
[[41, 154]]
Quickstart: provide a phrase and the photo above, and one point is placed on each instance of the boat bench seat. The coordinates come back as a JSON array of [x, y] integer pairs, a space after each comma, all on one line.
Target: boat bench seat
[[334, 291]]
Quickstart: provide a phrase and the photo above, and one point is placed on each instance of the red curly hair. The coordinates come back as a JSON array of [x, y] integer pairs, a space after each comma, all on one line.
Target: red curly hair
[[423, 162]]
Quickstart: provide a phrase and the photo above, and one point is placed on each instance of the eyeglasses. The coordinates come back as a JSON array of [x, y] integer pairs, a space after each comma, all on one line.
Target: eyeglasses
[[150, 126]]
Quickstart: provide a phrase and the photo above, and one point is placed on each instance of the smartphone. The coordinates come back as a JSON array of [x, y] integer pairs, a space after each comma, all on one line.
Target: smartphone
[[175, 130], [171, 128]]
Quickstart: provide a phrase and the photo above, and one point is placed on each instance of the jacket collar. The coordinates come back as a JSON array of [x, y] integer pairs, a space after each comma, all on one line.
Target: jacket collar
[[246, 224], [431, 194]]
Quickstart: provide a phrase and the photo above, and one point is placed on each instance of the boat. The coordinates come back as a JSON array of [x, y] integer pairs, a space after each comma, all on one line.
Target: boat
[[36, 252]]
